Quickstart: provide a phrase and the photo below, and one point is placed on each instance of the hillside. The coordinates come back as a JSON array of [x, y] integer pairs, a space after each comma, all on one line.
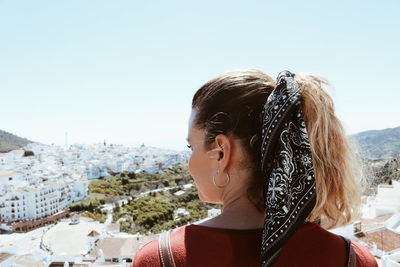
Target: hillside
[[380, 172], [10, 142], [155, 204], [378, 144]]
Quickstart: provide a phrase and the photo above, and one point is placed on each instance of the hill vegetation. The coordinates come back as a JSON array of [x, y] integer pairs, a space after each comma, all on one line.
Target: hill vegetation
[[158, 211], [380, 172], [126, 184], [153, 212], [10, 142]]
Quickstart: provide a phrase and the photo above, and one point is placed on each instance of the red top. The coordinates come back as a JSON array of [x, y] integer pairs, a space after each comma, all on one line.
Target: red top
[[196, 245]]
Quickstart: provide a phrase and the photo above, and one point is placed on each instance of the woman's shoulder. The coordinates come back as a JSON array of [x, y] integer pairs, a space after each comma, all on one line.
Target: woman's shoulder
[[313, 244], [148, 255], [364, 256]]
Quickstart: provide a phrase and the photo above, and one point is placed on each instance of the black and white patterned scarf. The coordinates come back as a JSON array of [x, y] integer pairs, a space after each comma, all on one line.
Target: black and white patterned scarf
[[289, 185]]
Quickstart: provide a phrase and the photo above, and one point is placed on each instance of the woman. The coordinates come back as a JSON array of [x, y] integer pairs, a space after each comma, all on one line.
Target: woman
[[276, 157]]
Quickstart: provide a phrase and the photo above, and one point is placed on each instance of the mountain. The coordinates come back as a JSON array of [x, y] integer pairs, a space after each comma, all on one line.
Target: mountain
[[10, 142], [378, 144]]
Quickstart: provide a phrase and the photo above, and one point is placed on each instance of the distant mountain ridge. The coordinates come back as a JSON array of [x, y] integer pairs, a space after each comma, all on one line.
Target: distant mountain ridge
[[378, 144], [372, 144], [9, 141]]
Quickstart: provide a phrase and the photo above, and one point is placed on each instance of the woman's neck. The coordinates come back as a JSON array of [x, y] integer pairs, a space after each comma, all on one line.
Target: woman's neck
[[237, 213]]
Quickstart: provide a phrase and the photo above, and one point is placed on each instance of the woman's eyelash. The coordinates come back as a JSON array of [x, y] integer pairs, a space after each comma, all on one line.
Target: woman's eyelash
[[189, 146]]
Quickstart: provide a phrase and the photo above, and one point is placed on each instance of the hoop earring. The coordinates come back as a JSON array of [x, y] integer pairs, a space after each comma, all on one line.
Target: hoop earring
[[224, 185]]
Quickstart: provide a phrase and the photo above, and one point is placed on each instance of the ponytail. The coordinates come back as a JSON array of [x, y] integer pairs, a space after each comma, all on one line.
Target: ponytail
[[337, 169]]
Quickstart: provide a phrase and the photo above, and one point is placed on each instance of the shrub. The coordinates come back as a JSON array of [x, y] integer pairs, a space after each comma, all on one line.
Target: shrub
[[28, 153]]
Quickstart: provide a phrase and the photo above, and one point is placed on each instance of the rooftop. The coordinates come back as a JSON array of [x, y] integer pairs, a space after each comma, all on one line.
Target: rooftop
[[369, 224], [4, 256], [71, 239], [385, 239], [8, 173], [28, 260], [385, 186], [121, 246], [93, 233], [117, 247]]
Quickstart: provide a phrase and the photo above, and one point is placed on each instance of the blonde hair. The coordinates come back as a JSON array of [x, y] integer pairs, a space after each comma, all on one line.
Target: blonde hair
[[337, 169]]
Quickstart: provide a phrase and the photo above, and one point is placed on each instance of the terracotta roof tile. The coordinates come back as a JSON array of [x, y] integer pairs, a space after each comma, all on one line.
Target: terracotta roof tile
[[384, 239], [369, 224]]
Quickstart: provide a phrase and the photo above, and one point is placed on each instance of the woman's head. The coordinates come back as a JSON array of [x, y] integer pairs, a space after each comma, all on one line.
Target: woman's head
[[226, 112], [223, 115]]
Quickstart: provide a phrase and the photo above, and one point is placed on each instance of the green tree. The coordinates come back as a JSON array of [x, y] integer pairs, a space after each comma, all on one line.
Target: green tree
[[132, 175], [28, 153]]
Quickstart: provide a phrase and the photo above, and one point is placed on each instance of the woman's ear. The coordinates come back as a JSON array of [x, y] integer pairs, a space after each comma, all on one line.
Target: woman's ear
[[224, 150], [215, 153]]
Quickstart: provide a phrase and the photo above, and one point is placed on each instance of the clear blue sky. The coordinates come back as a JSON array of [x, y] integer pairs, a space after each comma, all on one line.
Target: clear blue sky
[[126, 71]]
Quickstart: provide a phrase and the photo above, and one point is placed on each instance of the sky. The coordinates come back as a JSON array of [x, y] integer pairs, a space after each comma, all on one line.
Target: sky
[[126, 71]]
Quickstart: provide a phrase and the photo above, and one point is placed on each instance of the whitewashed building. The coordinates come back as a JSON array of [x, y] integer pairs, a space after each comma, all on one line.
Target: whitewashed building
[[392, 260], [35, 202], [387, 200]]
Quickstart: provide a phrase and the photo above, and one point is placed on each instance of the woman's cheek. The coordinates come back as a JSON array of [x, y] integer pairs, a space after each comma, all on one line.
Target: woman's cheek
[[201, 197], [190, 166]]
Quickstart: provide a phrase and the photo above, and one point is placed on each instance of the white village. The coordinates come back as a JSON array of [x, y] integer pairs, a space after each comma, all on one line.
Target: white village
[[35, 230]]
